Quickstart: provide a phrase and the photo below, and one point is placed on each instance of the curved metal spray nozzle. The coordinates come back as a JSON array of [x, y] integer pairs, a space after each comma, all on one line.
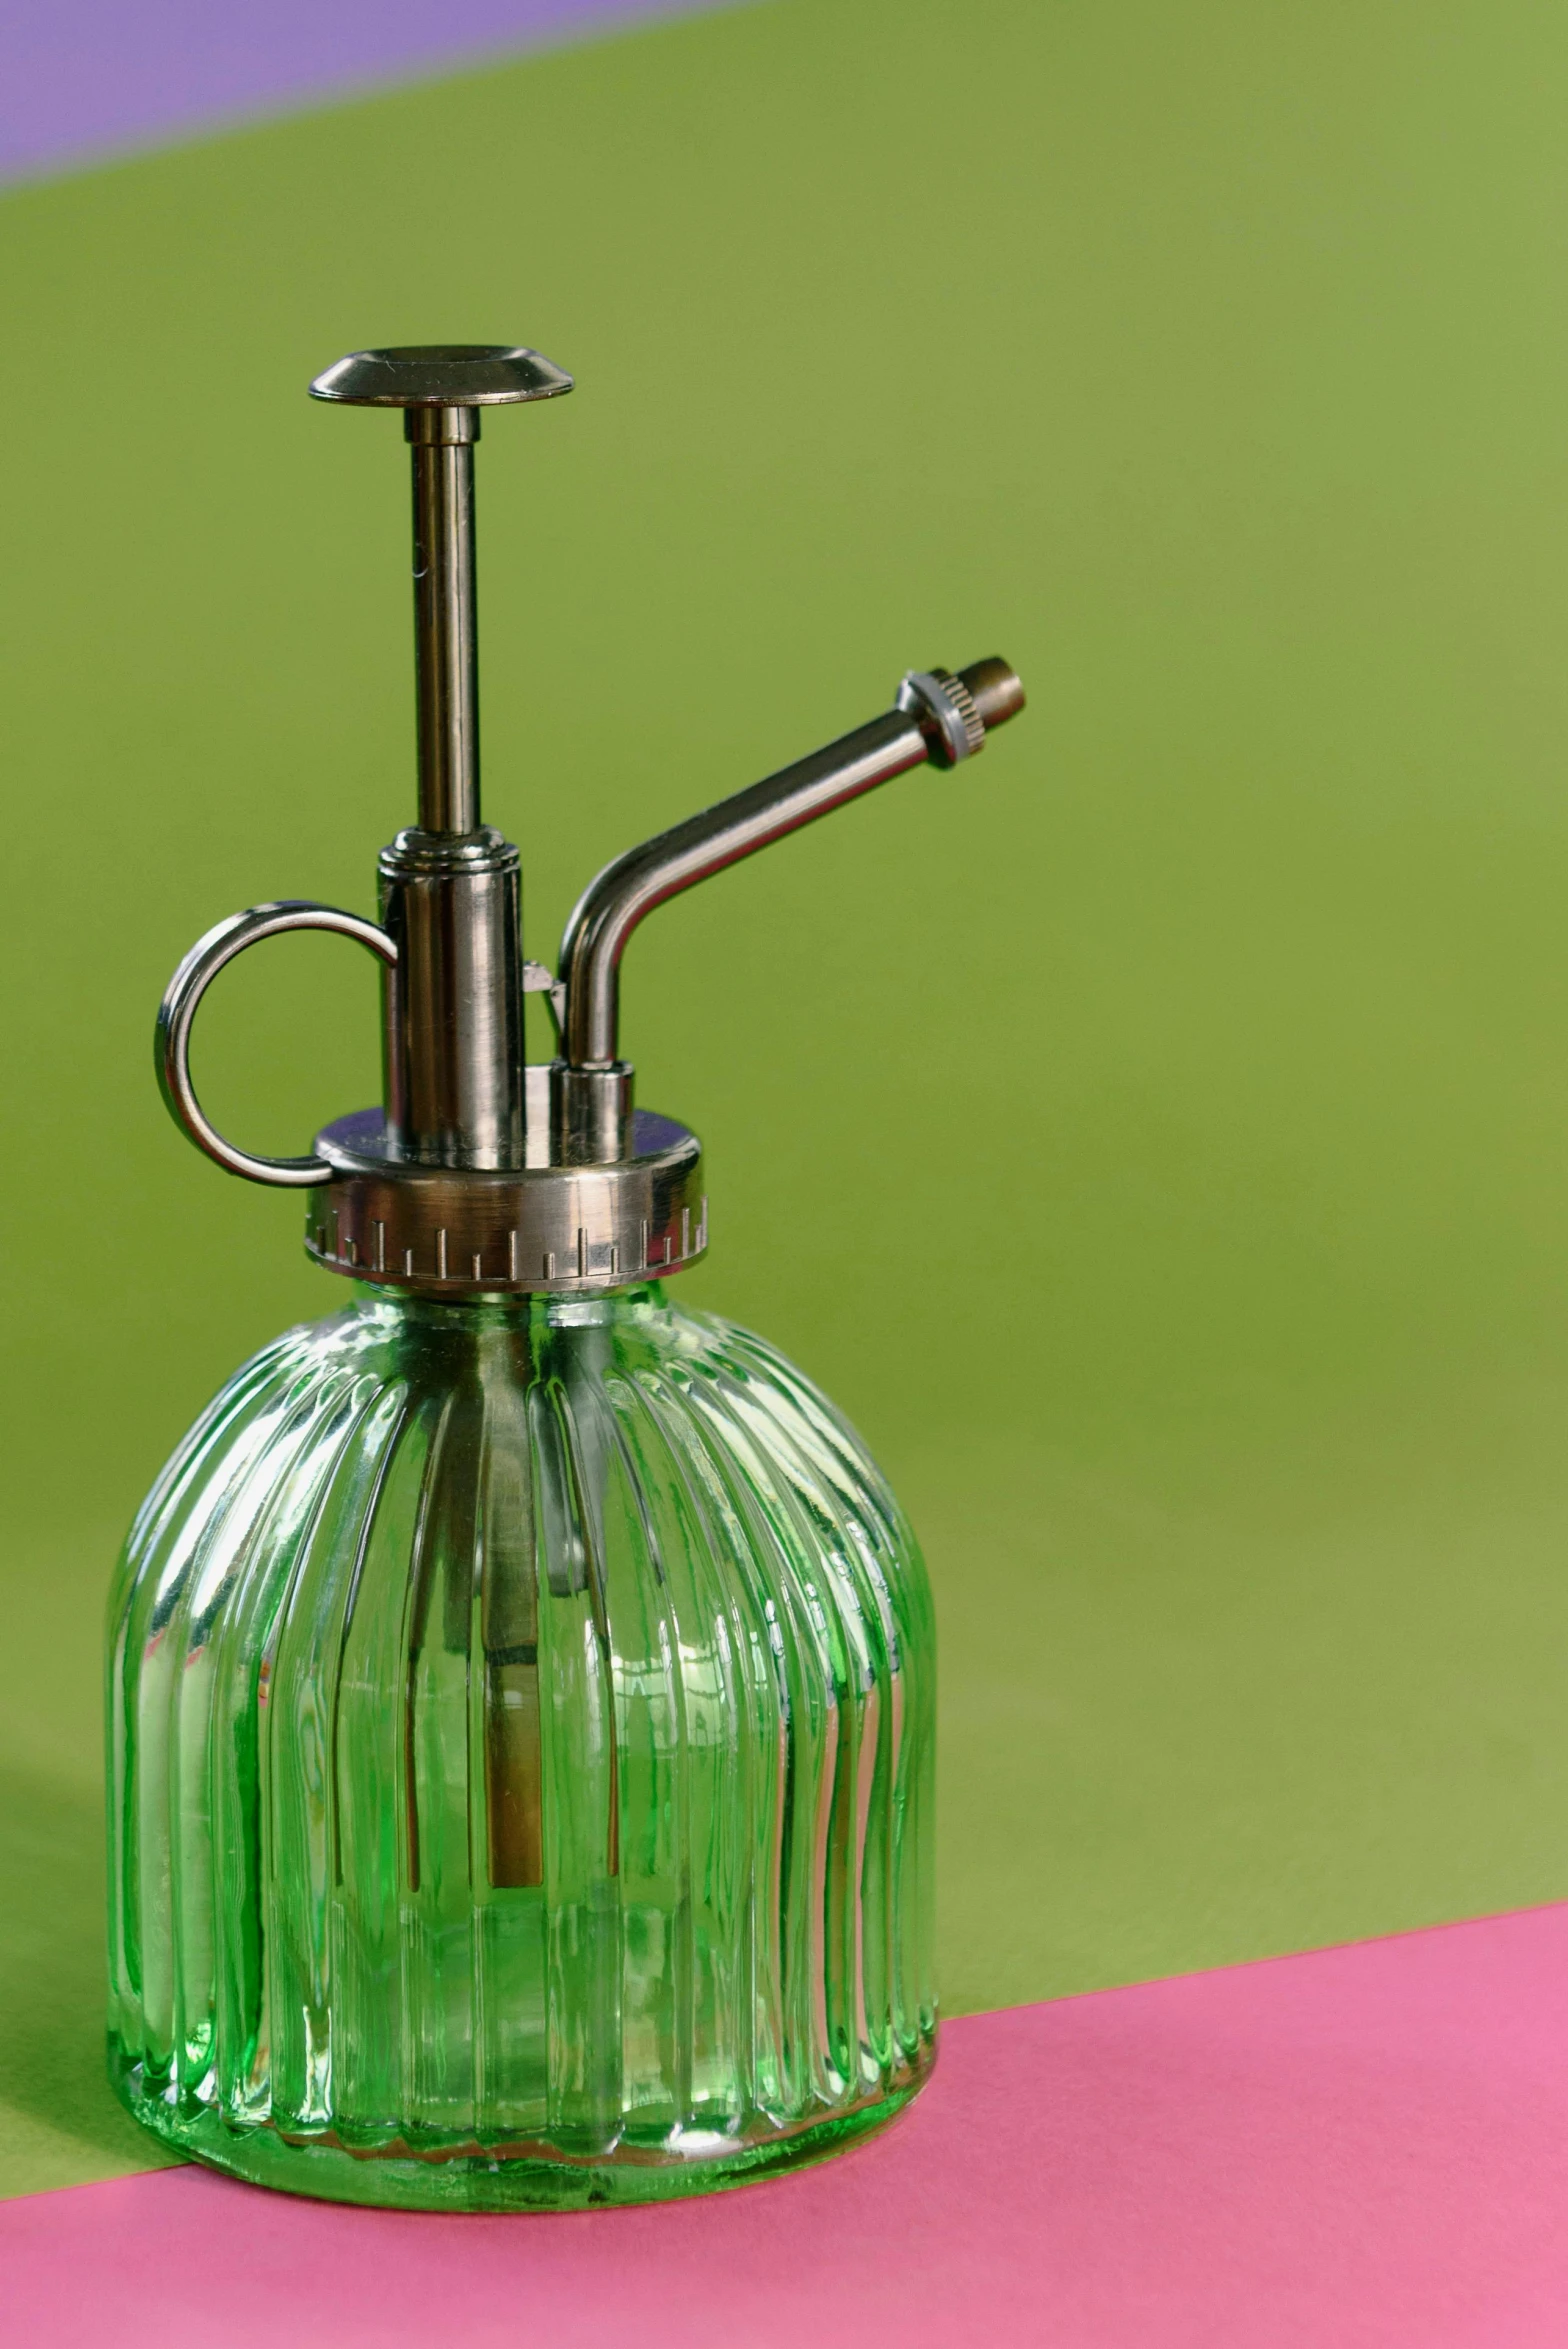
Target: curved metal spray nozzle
[[938, 717]]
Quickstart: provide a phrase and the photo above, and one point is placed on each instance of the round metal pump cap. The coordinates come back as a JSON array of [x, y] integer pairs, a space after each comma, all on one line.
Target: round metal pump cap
[[442, 375], [568, 1231]]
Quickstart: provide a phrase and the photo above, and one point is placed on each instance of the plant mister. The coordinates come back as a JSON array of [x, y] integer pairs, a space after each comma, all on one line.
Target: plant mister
[[520, 1689]]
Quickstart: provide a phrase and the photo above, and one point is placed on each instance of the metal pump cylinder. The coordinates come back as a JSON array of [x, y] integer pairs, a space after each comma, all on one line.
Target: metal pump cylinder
[[453, 1002]]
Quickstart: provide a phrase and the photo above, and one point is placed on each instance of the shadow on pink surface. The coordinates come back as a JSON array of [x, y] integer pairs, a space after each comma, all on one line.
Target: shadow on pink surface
[[1363, 2145]]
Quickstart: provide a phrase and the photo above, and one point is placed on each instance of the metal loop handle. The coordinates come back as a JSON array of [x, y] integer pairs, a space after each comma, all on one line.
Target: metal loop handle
[[171, 1046]]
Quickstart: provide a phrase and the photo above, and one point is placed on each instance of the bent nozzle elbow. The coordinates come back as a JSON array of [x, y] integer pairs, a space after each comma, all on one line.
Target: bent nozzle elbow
[[939, 716]]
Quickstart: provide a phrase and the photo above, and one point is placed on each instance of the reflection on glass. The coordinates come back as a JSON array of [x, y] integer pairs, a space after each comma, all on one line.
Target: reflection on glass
[[521, 1741]]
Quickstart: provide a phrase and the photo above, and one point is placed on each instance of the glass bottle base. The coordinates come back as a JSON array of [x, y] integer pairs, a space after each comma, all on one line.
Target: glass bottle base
[[457, 2180]]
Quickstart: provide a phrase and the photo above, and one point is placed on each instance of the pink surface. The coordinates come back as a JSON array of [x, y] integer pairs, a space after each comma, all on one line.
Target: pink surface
[[1363, 2145]]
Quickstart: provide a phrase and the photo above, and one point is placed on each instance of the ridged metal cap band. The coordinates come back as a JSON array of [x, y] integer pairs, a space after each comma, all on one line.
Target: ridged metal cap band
[[558, 1230], [937, 695]]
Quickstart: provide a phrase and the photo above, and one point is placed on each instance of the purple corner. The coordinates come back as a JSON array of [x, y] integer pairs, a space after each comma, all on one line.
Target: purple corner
[[84, 79]]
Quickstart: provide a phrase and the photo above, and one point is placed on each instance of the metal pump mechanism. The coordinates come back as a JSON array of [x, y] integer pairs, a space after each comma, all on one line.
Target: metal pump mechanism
[[480, 1173]]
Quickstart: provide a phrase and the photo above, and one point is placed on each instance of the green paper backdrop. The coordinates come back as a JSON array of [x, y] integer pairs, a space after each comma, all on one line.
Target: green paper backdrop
[[1153, 1134]]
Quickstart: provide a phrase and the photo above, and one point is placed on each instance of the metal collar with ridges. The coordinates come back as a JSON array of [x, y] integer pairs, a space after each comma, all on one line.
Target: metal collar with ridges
[[560, 1230]]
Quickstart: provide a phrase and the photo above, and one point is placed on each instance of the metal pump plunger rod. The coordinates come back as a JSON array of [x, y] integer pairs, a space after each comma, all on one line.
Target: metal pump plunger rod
[[451, 890], [446, 634]]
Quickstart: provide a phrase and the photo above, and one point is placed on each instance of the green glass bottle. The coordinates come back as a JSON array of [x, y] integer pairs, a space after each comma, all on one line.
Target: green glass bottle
[[520, 1690]]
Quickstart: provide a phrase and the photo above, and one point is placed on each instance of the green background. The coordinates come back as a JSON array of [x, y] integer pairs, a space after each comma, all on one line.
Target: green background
[[1153, 1135]]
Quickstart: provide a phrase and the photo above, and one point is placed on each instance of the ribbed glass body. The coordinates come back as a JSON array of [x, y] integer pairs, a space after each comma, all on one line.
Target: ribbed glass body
[[520, 1757]]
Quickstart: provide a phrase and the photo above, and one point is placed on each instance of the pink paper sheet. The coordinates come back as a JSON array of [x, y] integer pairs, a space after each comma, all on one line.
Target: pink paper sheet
[[1365, 2145]]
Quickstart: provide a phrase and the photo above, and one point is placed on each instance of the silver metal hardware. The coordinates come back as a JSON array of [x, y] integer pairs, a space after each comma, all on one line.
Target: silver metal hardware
[[563, 1231], [937, 694], [481, 1174], [454, 1002], [446, 619], [935, 710], [442, 375], [177, 1011], [625, 892], [450, 889], [442, 387], [590, 1113]]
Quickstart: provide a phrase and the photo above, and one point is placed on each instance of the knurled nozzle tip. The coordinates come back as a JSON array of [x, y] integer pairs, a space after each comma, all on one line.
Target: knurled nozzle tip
[[995, 689]]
